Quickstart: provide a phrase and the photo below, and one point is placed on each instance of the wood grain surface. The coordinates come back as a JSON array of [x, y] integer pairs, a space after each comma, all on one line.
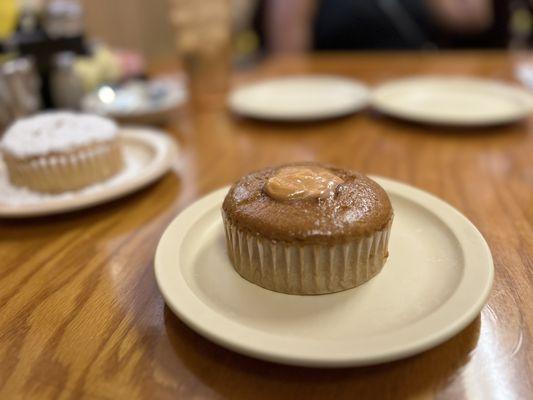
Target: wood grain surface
[[81, 315]]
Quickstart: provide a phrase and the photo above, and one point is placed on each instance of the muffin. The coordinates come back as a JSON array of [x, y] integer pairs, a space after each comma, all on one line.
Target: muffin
[[61, 151], [307, 228]]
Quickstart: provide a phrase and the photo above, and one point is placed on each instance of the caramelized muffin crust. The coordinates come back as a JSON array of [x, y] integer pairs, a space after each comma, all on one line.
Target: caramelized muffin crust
[[357, 206]]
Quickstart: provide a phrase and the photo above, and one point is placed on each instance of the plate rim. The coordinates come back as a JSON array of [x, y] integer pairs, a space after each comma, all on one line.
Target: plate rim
[[510, 87], [160, 164], [177, 231], [299, 117]]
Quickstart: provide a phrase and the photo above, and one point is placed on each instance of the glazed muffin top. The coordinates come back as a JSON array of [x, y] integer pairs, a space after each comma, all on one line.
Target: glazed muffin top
[[53, 132], [308, 202]]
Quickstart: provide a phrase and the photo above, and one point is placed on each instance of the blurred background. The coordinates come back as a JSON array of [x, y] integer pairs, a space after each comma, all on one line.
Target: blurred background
[[66, 49], [299, 25]]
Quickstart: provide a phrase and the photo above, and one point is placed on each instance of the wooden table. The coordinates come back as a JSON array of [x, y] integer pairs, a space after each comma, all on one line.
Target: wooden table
[[81, 316]]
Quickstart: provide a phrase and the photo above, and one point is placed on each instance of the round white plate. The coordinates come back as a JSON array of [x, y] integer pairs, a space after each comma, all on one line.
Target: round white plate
[[434, 284], [148, 155], [452, 101], [299, 98]]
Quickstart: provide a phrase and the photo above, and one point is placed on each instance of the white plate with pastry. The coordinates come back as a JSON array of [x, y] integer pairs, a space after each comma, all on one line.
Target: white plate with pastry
[[434, 283], [452, 100], [84, 176], [299, 98]]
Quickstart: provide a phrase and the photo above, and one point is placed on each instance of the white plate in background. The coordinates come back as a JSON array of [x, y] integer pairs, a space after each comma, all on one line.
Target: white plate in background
[[459, 101], [299, 98], [435, 282], [148, 154]]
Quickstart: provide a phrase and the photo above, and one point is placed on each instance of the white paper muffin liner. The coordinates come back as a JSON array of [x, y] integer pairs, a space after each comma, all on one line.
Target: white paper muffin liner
[[61, 172], [306, 269]]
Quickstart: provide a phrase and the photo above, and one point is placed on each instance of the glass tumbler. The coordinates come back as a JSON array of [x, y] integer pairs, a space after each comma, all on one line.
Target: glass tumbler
[[203, 38]]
